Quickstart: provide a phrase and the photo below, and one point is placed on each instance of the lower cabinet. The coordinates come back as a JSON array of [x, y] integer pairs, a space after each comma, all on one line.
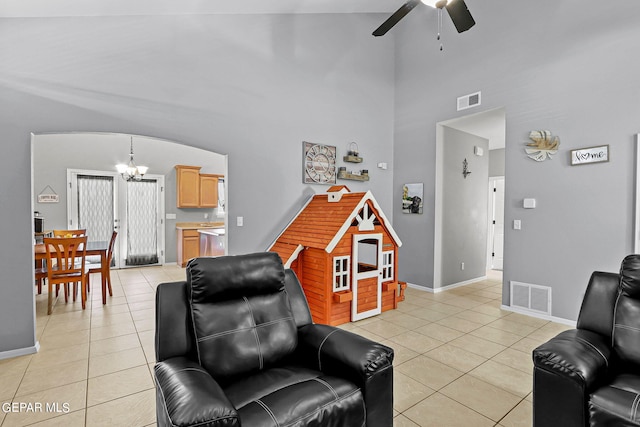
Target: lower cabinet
[[188, 246]]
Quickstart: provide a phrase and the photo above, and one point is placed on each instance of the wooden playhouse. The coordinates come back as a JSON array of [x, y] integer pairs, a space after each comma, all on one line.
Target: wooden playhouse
[[344, 252]]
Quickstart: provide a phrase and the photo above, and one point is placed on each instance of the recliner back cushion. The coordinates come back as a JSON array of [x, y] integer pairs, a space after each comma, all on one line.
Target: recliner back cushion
[[626, 328], [241, 313]]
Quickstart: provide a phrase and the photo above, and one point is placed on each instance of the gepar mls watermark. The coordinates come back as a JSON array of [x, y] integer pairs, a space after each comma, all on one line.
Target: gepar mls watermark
[[36, 407]]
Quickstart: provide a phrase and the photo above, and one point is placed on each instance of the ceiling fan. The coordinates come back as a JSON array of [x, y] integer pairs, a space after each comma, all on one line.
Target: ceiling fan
[[457, 10]]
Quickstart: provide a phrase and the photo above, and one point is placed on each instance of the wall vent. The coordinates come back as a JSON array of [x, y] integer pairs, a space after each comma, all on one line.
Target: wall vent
[[469, 101], [528, 297]]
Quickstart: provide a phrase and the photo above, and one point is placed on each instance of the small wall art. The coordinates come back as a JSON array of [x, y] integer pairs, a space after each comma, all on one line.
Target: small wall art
[[318, 163], [543, 145], [583, 156], [412, 195]]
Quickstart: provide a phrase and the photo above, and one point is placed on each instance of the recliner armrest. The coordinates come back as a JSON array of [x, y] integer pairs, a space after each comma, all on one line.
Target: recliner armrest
[[336, 351], [566, 369], [187, 395], [580, 355], [343, 354]]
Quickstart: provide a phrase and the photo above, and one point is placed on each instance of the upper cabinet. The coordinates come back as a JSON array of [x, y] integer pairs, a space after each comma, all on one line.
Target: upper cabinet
[[208, 190], [196, 190], [188, 189]]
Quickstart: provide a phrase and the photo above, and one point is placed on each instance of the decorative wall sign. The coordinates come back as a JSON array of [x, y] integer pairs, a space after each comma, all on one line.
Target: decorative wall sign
[[583, 156], [318, 163], [544, 145], [50, 197], [412, 195]]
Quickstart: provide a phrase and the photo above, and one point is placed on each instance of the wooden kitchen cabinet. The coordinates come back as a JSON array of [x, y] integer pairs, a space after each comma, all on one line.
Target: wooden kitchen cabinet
[[188, 246], [188, 186], [208, 190]]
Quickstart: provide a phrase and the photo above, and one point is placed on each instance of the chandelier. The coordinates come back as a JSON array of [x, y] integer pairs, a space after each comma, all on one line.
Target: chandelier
[[131, 172]]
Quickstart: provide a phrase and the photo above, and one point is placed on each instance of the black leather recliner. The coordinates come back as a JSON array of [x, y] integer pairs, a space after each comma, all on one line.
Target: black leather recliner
[[590, 376], [236, 346]]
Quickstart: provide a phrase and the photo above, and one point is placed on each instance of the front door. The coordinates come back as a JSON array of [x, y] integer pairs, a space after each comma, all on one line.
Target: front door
[[367, 276]]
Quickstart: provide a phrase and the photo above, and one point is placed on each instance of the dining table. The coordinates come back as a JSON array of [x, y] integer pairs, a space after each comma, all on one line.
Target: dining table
[[100, 248]]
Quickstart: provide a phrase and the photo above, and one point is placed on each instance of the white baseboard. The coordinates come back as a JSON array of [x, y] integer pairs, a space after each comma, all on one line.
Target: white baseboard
[[20, 351], [448, 287], [539, 315]]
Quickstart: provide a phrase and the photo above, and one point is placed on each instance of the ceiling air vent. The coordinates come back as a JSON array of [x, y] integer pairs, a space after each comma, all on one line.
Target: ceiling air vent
[[468, 101]]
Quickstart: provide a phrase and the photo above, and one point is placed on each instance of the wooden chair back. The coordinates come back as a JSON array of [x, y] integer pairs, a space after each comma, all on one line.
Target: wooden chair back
[[65, 258], [66, 264], [70, 233]]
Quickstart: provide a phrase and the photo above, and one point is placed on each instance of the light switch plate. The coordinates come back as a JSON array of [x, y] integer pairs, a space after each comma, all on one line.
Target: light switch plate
[[240, 221], [517, 224]]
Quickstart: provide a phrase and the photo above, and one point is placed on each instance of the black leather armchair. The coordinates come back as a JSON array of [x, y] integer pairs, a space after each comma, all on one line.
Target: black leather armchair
[[590, 376], [236, 346]]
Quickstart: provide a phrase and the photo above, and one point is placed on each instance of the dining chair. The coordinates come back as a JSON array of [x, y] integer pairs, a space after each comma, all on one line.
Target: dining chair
[[98, 268], [63, 267], [69, 233]]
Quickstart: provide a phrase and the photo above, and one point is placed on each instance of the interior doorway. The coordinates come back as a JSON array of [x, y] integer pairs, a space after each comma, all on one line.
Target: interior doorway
[[55, 153], [489, 125]]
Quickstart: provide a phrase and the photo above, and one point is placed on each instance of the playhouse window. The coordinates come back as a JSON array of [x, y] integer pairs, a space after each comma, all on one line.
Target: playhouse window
[[387, 265], [341, 273]]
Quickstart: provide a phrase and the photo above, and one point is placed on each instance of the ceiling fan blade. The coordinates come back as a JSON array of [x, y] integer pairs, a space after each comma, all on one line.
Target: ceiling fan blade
[[460, 15], [395, 18]]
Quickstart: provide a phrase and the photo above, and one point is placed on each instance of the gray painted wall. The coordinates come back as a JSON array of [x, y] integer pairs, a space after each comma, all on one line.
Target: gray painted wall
[[550, 68], [252, 87], [496, 162], [465, 207]]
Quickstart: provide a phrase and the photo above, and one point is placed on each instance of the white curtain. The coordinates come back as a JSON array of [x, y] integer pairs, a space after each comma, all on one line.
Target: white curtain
[[142, 222], [95, 206]]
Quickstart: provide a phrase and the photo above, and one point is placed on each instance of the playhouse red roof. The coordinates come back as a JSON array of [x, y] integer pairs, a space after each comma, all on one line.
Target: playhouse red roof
[[322, 222]]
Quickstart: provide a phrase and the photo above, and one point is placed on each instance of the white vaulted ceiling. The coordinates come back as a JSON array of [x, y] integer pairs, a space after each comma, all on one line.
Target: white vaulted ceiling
[[59, 8]]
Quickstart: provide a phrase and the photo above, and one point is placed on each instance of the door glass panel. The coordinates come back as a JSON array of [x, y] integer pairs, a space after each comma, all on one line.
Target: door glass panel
[[367, 255], [142, 222], [95, 206]]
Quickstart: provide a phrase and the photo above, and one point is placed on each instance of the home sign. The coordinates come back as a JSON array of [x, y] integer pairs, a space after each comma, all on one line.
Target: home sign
[[584, 156]]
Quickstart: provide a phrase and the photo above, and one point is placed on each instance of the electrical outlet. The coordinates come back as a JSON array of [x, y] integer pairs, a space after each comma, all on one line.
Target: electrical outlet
[[462, 266], [206, 216], [517, 224], [240, 221]]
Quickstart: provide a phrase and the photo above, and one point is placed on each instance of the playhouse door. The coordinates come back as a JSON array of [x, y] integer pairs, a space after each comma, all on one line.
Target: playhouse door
[[367, 276]]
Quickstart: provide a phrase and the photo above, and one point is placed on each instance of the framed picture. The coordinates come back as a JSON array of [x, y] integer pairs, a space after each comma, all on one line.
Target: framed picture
[[412, 195], [583, 156], [318, 163]]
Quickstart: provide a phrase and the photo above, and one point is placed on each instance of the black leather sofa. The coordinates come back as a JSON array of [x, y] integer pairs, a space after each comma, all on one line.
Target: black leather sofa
[[236, 346], [590, 376]]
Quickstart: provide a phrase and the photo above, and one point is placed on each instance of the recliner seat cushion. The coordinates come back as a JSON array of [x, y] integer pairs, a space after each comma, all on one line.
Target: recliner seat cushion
[[616, 404], [245, 329], [290, 396]]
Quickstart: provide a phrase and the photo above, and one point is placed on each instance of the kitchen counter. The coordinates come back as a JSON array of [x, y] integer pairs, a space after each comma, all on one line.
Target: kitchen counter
[[212, 231], [199, 225]]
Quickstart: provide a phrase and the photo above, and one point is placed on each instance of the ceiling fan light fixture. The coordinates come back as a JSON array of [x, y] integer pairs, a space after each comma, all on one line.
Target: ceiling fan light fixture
[[436, 4]]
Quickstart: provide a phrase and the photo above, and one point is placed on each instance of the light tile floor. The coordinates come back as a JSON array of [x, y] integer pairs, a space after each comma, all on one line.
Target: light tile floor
[[460, 360]]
